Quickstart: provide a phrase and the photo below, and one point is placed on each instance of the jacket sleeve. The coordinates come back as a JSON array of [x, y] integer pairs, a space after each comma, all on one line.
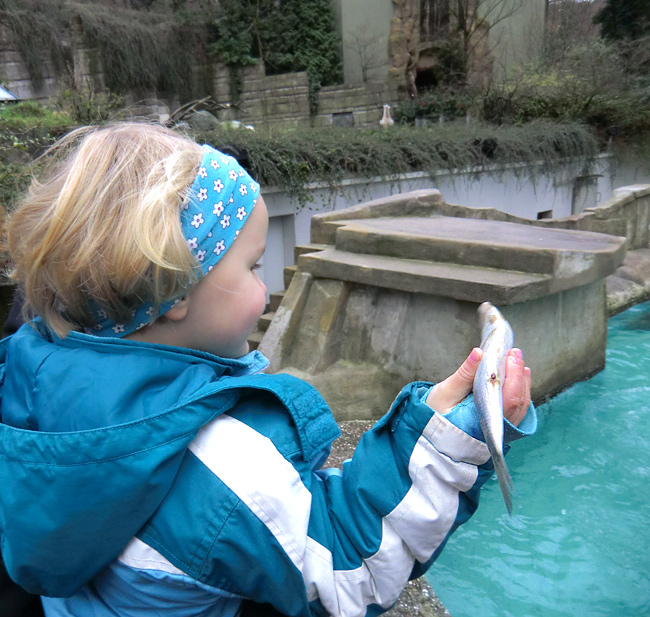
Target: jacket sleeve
[[323, 542]]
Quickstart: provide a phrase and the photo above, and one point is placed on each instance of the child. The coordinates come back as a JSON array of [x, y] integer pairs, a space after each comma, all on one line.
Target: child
[[147, 464]]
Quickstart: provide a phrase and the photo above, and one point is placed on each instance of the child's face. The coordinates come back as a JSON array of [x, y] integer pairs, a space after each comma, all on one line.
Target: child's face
[[225, 305]]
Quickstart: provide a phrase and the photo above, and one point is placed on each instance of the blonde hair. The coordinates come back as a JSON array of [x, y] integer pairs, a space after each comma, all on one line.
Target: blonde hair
[[102, 228]]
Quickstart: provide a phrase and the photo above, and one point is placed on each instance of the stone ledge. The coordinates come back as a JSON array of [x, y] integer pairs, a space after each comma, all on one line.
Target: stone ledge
[[455, 281], [483, 243], [630, 284]]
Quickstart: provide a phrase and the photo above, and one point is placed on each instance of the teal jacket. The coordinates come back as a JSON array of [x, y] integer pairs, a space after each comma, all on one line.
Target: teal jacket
[[138, 476]]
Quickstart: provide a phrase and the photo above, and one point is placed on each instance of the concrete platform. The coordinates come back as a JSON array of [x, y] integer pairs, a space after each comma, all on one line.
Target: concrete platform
[[465, 259], [388, 294]]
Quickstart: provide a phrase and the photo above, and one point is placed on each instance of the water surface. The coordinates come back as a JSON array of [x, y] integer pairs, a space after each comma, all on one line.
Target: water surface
[[577, 544]]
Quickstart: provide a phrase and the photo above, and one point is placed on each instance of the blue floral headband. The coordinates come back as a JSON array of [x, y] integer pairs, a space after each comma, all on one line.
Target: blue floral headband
[[218, 204]]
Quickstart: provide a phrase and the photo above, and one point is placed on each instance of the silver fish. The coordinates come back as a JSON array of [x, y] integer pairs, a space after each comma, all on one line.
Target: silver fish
[[496, 340]]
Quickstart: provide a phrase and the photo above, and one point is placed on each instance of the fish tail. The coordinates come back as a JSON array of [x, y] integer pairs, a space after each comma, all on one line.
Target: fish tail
[[505, 481]]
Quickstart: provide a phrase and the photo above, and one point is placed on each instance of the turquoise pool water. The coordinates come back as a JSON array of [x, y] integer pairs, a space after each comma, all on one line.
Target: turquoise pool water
[[578, 544]]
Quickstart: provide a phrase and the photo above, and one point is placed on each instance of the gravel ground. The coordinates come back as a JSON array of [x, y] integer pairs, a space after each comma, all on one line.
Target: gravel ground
[[418, 598]]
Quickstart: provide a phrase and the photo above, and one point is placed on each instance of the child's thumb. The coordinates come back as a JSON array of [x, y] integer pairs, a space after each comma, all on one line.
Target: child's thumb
[[456, 387]]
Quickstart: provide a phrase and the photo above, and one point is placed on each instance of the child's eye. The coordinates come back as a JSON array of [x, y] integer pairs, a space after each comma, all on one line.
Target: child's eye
[[257, 266]]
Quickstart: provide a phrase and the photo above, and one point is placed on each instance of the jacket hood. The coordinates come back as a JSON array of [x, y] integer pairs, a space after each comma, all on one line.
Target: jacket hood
[[57, 447]]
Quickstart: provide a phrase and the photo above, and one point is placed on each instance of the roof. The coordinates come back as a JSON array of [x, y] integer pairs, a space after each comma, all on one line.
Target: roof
[[5, 95]]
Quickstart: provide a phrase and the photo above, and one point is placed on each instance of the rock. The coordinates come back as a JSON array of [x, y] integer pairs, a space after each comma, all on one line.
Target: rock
[[202, 120], [630, 283]]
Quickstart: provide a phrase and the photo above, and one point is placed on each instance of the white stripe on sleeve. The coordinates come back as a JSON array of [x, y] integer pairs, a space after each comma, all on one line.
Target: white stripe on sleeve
[[139, 555], [250, 465]]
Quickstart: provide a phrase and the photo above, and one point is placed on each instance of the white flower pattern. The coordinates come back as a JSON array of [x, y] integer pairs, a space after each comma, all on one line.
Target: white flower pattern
[[224, 175], [237, 196]]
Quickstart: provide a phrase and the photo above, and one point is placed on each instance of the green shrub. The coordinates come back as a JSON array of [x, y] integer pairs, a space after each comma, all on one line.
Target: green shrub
[[32, 117], [432, 105], [596, 82], [27, 128], [87, 106]]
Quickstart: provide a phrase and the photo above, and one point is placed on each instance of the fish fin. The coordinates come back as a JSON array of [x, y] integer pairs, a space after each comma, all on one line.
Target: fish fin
[[505, 481]]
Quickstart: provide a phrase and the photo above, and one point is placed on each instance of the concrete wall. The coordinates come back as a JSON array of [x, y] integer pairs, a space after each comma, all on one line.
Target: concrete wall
[[266, 101], [519, 38], [365, 29], [358, 344], [15, 77], [269, 101], [14, 74]]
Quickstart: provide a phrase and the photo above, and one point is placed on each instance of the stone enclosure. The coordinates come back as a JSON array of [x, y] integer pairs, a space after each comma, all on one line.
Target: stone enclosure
[[387, 293]]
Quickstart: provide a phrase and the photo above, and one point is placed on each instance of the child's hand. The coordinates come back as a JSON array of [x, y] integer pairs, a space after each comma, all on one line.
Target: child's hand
[[516, 386]]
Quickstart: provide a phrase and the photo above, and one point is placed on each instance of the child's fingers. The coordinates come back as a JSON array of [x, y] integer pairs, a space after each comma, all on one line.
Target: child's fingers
[[456, 387], [516, 388]]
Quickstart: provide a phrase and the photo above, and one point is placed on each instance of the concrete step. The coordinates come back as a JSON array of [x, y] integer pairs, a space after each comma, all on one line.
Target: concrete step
[[417, 276], [302, 249], [255, 339], [275, 299], [289, 271], [265, 320]]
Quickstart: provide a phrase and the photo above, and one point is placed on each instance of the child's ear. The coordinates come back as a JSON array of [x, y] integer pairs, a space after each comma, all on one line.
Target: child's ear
[[179, 310]]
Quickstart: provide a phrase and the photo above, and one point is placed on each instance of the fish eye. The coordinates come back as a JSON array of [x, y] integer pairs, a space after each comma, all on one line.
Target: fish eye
[[493, 377]]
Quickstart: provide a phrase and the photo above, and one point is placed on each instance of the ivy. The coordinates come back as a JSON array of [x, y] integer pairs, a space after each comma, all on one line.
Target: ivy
[[302, 37], [294, 159], [287, 36], [234, 42]]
